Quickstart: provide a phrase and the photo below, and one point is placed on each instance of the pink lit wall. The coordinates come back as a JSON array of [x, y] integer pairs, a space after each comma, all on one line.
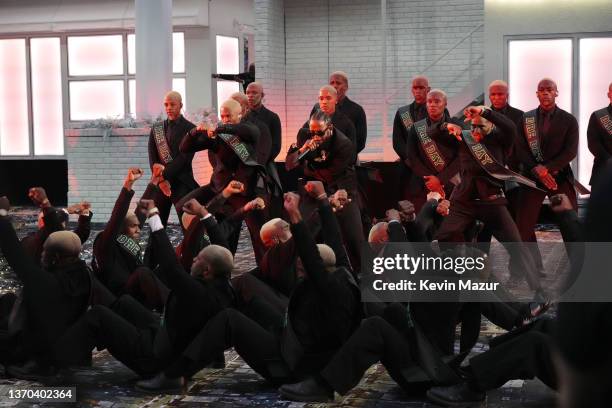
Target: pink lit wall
[[228, 62], [14, 138], [595, 76], [96, 99], [531, 60], [47, 96], [95, 55]]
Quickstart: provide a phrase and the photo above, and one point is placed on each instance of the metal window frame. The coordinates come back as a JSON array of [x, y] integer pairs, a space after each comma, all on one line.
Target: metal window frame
[[66, 79], [575, 37]]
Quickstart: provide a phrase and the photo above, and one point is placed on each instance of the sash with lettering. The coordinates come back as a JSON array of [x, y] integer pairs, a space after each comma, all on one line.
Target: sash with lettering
[[604, 120], [531, 134], [240, 148], [130, 246], [489, 164], [159, 135], [406, 117], [429, 146]]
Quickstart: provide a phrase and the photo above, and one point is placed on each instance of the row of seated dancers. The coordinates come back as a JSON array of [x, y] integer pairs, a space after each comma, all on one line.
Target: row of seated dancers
[[297, 319]]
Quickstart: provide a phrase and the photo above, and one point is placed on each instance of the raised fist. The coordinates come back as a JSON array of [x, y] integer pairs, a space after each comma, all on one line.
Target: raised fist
[[193, 207], [471, 112], [134, 173], [255, 204], [234, 187], [406, 211], [314, 188], [292, 203]]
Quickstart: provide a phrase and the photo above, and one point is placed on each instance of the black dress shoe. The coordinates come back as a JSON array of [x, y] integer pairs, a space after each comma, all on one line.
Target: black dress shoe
[[308, 390], [458, 395], [161, 383], [32, 371]]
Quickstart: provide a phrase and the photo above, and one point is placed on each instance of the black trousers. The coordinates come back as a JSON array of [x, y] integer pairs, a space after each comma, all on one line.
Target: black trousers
[[147, 288], [259, 347], [484, 238], [524, 356], [349, 219], [497, 217], [531, 202], [249, 287], [375, 340], [127, 331]]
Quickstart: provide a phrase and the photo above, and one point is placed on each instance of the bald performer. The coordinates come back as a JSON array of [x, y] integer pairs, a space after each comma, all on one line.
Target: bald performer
[[498, 95], [599, 135], [255, 94], [55, 296], [164, 141], [234, 144], [119, 260], [405, 117], [352, 110], [431, 154], [328, 104], [546, 146]]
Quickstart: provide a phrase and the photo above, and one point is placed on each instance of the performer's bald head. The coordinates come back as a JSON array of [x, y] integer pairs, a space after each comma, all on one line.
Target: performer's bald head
[[498, 93], [131, 226], [339, 80], [480, 128], [61, 247], [610, 92], [436, 104], [378, 233], [230, 112], [547, 93], [175, 96], [327, 255], [274, 232], [212, 262], [420, 88], [173, 104], [255, 94], [328, 97], [547, 83], [242, 100]]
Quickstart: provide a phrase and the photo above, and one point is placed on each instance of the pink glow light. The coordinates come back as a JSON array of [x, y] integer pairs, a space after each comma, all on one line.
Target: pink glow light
[[14, 134], [531, 60], [95, 55], [96, 99], [595, 76], [47, 96]]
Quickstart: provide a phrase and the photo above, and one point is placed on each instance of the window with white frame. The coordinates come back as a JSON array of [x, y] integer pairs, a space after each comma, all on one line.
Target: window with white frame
[[38, 94], [579, 64]]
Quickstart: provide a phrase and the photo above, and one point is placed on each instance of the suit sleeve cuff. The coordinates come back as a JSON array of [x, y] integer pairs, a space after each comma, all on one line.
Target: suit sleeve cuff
[[155, 223]]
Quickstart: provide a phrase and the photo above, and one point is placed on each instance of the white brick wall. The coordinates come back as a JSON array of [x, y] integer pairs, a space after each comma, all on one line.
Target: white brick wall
[[97, 167], [270, 55], [321, 36]]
